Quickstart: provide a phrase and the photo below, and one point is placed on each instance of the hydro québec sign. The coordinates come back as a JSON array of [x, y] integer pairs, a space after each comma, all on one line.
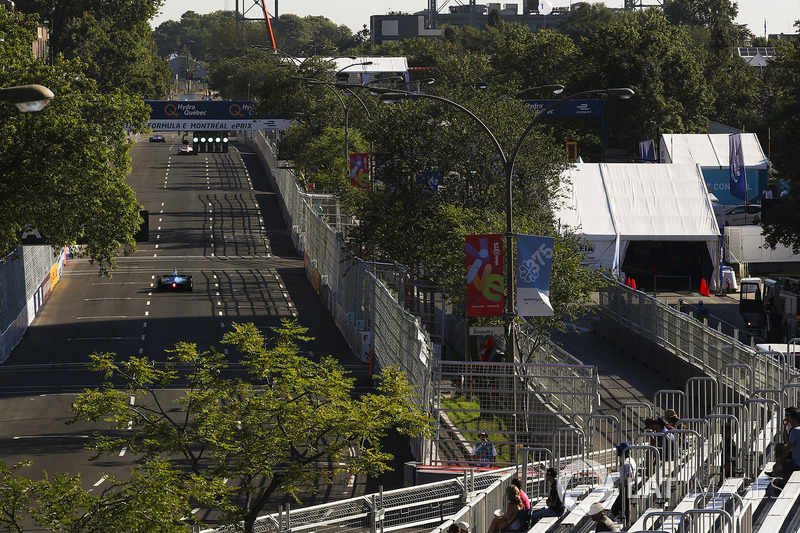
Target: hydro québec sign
[[189, 115]]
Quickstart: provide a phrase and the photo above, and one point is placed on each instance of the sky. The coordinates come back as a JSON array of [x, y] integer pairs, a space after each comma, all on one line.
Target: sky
[[779, 14]]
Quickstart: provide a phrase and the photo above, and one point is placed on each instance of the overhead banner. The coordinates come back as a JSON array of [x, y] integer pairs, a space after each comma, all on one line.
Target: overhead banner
[[571, 108], [199, 109], [738, 179], [359, 171], [485, 287], [215, 125], [534, 264]]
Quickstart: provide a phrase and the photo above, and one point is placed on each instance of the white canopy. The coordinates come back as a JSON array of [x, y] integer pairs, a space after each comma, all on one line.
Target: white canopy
[[709, 150], [612, 204]]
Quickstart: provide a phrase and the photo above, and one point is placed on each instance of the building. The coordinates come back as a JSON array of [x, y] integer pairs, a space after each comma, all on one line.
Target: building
[[396, 26]]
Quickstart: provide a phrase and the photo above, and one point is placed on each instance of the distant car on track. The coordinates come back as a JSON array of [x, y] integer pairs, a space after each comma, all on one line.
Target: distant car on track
[[157, 139], [185, 149], [174, 282]]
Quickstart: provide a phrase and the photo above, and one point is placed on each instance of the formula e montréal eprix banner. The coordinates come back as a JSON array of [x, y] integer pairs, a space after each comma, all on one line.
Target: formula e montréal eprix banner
[[485, 275], [534, 263]]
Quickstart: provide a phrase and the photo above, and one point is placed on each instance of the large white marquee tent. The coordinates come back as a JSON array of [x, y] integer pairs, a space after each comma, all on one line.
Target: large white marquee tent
[[614, 204]]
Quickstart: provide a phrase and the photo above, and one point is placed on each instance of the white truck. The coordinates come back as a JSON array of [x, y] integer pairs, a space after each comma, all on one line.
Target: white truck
[[745, 245]]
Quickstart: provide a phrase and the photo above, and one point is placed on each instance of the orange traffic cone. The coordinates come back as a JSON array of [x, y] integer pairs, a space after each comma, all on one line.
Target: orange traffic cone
[[704, 288], [633, 284]]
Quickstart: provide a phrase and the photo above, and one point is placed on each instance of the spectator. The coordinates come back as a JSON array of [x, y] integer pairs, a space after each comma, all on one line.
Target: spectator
[[767, 193], [484, 452], [598, 514], [555, 499], [463, 526], [627, 481], [701, 313], [681, 306], [784, 193], [453, 529], [512, 520], [663, 438], [672, 420], [517, 482], [789, 460]]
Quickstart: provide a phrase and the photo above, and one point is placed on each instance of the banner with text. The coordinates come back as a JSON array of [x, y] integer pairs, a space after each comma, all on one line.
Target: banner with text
[[534, 264], [359, 171], [738, 179], [217, 125], [485, 287]]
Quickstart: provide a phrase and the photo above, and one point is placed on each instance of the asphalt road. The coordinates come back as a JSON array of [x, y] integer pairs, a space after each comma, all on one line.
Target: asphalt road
[[212, 216]]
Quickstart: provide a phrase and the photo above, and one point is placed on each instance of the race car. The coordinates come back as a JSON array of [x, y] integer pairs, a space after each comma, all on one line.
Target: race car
[[174, 282], [157, 139], [185, 149]]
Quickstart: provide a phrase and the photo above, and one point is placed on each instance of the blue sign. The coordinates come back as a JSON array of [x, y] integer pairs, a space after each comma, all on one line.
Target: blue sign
[[738, 178], [534, 263], [571, 108], [199, 109]]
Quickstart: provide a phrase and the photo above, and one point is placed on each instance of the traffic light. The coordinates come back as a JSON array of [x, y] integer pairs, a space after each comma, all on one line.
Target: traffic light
[[572, 151], [195, 143], [224, 141]]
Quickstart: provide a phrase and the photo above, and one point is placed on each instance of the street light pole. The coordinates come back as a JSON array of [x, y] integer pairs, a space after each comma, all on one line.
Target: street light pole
[[508, 168]]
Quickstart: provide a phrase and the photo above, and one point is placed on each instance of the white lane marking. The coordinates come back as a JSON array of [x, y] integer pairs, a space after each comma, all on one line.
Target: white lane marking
[[100, 482], [123, 450], [142, 337], [99, 317], [24, 437]]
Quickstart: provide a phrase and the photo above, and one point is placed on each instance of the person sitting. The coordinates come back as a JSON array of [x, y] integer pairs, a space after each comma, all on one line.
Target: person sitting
[[512, 519], [701, 313], [789, 460], [555, 499], [598, 515], [517, 482]]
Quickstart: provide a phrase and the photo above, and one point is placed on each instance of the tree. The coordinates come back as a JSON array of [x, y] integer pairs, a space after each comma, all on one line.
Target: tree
[[584, 20], [641, 50], [267, 434], [66, 174], [113, 39]]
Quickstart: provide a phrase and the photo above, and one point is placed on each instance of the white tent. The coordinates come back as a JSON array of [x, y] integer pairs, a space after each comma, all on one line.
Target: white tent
[[710, 150], [613, 204]]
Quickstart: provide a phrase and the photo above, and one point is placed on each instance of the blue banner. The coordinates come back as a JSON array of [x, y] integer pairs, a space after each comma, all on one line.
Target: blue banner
[[647, 152], [571, 108], [738, 175], [199, 109], [534, 264]]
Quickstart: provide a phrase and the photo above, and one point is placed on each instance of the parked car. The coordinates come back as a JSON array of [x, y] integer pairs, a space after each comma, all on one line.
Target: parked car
[[741, 215]]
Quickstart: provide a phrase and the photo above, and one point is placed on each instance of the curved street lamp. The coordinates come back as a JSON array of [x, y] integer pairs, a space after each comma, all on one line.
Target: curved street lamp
[[27, 98], [310, 82], [508, 167]]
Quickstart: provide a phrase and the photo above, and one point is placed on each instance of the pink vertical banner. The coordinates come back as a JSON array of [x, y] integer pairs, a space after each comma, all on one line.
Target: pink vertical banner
[[359, 171], [485, 288]]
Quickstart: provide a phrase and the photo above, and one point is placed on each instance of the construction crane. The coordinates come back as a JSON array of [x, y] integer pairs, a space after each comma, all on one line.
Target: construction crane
[[263, 5]]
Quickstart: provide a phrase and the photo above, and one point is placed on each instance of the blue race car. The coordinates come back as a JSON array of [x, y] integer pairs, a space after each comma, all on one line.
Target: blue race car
[[174, 282], [157, 139]]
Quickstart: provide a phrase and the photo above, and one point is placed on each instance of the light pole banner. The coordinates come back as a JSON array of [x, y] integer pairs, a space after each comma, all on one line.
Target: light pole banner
[[534, 263], [485, 275], [359, 171]]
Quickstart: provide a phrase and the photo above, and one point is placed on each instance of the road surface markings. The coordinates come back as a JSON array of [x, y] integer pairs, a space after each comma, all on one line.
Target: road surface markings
[[24, 437], [123, 450], [100, 482], [100, 317]]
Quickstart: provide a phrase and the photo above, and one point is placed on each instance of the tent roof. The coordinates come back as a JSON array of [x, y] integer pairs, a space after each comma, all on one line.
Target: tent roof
[[639, 201], [709, 150]]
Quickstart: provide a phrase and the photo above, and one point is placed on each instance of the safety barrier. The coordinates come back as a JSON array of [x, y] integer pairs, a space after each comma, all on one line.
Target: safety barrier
[[364, 309]]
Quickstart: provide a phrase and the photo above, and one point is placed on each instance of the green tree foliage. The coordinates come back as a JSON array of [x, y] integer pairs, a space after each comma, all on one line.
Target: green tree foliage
[[641, 50], [406, 220], [66, 172], [584, 20], [273, 433], [112, 38]]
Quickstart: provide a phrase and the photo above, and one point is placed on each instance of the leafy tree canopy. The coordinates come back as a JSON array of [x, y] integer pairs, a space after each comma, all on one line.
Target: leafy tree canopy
[[274, 433], [66, 172], [112, 38]]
